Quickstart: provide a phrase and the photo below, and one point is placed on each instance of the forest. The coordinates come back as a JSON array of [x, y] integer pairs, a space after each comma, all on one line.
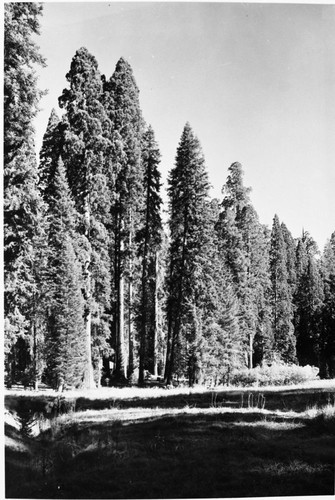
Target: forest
[[98, 288]]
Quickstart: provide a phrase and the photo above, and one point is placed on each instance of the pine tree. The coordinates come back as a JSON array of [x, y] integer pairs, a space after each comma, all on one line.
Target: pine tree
[[23, 207], [121, 100], [188, 198], [150, 237], [87, 161], [281, 299], [66, 353]]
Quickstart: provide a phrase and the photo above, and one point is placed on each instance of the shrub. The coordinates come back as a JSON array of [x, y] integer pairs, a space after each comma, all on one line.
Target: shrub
[[244, 378], [276, 374]]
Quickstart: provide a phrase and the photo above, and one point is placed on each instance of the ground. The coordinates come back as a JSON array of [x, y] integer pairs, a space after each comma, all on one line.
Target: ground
[[170, 444]]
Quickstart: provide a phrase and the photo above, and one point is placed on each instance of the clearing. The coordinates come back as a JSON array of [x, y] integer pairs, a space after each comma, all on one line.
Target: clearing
[[156, 443]]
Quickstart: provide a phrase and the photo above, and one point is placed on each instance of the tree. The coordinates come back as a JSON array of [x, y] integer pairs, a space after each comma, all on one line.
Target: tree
[[150, 238], [308, 301], [66, 352], [52, 147], [291, 258], [281, 298], [87, 161], [327, 347], [21, 94], [221, 346], [121, 100], [188, 198], [244, 249], [23, 207]]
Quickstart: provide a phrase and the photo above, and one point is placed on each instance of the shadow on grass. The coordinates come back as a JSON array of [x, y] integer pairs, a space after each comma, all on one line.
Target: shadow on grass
[[283, 400], [187, 455]]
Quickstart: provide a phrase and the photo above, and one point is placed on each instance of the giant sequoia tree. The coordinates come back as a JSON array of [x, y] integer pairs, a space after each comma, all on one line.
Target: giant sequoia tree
[[121, 101], [150, 237], [23, 207], [86, 158], [188, 195]]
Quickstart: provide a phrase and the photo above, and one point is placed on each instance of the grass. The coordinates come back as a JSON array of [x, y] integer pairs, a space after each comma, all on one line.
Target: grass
[[179, 444], [124, 393]]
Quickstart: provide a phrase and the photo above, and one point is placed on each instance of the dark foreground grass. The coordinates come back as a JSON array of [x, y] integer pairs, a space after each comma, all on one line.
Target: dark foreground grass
[[186, 455]]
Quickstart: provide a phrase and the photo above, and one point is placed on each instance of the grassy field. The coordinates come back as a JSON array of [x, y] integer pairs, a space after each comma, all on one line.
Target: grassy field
[[152, 443]]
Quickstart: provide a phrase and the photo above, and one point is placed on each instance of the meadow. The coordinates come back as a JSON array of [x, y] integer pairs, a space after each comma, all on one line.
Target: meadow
[[178, 443]]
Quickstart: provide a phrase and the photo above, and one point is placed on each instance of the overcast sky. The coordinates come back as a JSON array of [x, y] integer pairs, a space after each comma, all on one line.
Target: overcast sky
[[255, 81]]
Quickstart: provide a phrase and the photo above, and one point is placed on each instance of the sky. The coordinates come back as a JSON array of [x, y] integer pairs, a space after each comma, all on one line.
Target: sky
[[256, 82]]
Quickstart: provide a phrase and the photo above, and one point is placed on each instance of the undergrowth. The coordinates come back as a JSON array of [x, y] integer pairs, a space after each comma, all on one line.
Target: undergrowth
[[277, 374]]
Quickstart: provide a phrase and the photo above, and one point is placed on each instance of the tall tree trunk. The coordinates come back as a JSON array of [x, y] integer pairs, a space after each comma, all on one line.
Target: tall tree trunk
[[167, 371], [35, 354], [143, 333], [144, 306], [131, 365], [130, 305], [155, 333], [89, 376], [251, 342], [121, 357]]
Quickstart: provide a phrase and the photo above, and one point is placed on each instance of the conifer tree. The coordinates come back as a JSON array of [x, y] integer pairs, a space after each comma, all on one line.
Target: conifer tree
[[243, 246], [150, 237], [188, 197], [327, 344], [281, 300], [221, 349], [291, 259], [66, 349], [121, 100], [23, 207], [86, 158], [308, 301], [52, 146]]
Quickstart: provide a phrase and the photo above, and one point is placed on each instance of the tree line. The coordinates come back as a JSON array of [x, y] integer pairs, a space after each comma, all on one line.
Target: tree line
[[97, 288]]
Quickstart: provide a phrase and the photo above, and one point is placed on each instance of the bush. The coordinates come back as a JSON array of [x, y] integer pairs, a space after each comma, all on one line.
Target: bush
[[276, 374]]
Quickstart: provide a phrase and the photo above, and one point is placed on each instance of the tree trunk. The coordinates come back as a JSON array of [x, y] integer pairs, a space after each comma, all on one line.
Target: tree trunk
[[155, 339], [121, 358], [131, 366], [144, 303], [33, 331], [251, 341], [130, 305], [143, 332], [89, 377], [167, 371]]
